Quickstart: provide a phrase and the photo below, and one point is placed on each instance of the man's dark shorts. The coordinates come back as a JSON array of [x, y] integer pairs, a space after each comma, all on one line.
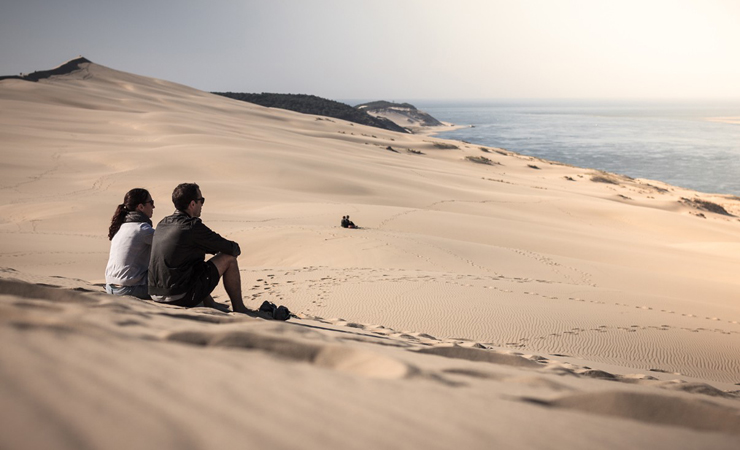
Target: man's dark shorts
[[206, 279]]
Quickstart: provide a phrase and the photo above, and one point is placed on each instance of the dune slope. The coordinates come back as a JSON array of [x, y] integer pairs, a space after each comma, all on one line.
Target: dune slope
[[459, 244], [105, 372]]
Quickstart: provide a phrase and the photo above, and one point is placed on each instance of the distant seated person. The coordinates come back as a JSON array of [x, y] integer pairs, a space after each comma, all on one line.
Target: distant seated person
[[130, 233], [345, 222], [348, 223]]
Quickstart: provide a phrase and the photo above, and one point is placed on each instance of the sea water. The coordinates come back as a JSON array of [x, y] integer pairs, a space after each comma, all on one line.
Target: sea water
[[674, 142]]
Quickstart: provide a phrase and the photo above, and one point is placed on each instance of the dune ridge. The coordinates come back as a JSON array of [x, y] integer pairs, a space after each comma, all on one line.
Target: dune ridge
[[62, 69]]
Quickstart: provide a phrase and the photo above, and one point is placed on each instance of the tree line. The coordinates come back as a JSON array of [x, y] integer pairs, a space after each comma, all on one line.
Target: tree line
[[311, 104]]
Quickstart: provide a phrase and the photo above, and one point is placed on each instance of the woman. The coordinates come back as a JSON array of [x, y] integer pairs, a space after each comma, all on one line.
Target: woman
[[131, 234]]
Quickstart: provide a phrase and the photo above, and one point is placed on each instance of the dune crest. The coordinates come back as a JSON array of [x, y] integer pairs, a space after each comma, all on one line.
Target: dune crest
[[62, 69]]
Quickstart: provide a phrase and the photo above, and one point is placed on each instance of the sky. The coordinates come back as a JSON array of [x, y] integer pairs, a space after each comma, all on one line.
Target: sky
[[394, 49]]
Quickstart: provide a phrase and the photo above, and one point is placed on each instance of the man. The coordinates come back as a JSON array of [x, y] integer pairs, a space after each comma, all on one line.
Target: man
[[350, 224], [178, 272]]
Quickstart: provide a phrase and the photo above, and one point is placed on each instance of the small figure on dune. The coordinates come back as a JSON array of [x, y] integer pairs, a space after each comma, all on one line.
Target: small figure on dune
[[346, 223]]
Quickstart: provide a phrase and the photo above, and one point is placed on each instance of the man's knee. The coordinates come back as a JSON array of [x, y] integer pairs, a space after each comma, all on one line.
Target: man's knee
[[224, 262]]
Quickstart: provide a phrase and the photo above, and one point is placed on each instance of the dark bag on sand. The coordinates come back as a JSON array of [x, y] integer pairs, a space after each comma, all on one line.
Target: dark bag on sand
[[275, 312], [281, 313]]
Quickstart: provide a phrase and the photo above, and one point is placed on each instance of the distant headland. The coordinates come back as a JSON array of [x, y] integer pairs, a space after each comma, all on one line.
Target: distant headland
[[401, 117], [404, 114]]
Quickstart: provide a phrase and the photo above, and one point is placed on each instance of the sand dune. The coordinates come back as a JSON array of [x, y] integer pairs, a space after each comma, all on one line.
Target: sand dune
[[105, 372], [487, 294]]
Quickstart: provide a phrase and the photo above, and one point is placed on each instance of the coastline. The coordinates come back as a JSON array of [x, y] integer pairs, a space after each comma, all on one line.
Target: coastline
[[674, 144], [433, 131]]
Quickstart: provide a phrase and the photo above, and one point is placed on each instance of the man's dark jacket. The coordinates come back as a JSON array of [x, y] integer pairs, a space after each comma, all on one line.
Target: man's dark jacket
[[180, 244]]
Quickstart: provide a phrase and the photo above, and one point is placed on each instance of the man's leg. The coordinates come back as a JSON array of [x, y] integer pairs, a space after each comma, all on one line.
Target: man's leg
[[228, 268]]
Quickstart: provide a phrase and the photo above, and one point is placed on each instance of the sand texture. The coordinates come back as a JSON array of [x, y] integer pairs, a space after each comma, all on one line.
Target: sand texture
[[489, 299]]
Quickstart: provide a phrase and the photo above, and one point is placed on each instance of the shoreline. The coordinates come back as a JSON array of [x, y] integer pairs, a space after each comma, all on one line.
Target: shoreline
[[576, 161], [433, 131]]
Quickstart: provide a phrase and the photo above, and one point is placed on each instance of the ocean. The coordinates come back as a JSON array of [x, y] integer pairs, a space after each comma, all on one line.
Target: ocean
[[674, 142]]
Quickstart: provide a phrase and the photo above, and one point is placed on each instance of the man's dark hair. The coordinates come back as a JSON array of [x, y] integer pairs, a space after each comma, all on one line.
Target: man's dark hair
[[184, 194]]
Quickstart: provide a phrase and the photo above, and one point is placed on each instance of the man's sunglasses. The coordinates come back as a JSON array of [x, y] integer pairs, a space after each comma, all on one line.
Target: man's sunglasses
[[201, 200]]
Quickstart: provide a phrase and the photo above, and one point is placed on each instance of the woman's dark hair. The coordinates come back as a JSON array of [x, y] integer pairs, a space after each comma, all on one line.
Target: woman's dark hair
[[184, 194], [131, 200]]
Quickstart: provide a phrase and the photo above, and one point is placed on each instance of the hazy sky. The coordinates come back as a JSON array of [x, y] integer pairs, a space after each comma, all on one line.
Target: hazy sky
[[393, 49]]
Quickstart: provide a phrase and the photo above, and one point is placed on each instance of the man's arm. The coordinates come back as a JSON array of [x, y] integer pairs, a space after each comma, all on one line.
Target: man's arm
[[212, 242]]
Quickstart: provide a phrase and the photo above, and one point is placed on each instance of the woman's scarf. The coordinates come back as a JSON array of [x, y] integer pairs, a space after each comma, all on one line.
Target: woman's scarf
[[137, 216]]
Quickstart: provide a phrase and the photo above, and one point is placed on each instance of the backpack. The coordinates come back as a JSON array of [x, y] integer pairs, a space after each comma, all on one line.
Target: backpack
[[275, 312]]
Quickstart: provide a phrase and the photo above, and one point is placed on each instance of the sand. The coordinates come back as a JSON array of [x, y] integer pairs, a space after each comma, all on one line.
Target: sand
[[489, 299]]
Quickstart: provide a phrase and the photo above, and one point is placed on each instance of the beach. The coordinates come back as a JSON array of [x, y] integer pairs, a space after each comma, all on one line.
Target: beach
[[488, 299]]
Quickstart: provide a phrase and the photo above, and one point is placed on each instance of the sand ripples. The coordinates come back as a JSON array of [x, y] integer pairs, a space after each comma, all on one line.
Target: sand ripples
[[519, 313]]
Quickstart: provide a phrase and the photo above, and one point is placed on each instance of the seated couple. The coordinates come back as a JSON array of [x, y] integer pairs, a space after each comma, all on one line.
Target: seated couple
[[346, 223], [169, 265]]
